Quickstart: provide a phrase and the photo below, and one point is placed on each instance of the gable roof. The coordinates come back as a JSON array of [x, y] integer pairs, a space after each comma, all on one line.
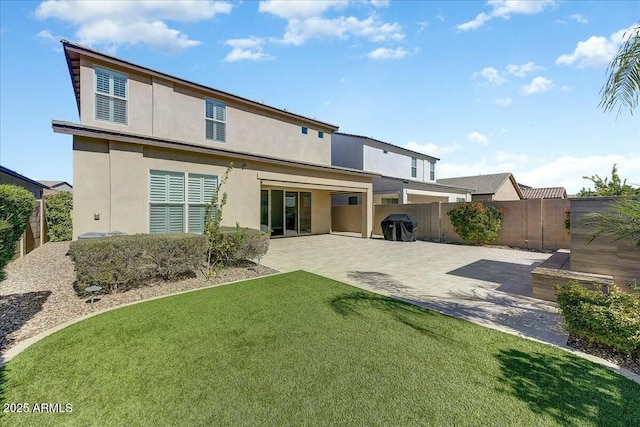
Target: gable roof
[[21, 177], [73, 51], [387, 144], [54, 184], [544, 193], [483, 184]]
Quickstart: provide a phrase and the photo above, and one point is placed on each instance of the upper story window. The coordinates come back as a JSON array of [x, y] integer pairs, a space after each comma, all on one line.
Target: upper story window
[[305, 130], [320, 134], [111, 96], [215, 117], [414, 167], [432, 171]]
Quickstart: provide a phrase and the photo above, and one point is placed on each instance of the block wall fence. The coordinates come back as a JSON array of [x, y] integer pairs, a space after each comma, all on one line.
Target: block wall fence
[[529, 224]]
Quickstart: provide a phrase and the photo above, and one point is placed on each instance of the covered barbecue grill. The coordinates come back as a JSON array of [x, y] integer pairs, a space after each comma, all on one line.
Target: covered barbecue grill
[[400, 227]]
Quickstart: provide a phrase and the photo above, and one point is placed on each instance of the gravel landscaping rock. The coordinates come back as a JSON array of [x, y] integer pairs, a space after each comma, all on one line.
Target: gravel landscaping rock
[[38, 292]]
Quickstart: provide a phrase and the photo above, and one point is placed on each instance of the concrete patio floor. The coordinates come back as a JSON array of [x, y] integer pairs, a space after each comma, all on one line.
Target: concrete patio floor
[[488, 286]]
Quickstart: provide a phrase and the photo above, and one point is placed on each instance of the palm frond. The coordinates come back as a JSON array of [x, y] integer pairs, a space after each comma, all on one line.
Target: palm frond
[[622, 221], [623, 84]]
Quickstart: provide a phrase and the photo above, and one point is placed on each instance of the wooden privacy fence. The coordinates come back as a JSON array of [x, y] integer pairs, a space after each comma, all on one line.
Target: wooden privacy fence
[[36, 234], [529, 224]]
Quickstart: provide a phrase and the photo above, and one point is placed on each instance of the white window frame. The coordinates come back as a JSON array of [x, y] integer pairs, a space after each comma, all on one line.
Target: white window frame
[[187, 201], [111, 95], [414, 167], [214, 120], [432, 171]]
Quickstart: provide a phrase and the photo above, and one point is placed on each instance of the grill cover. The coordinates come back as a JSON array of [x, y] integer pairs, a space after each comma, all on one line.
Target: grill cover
[[400, 227]]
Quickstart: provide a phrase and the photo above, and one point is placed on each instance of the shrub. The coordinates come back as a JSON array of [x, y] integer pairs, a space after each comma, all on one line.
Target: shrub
[[123, 262], [475, 222], [611, 319], [58, 215], [16, 207], [253, 244]]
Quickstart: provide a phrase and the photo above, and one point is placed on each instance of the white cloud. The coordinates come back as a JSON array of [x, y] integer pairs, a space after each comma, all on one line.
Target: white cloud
[[422, 25], [249, 49], [380, 3], [129, 23], [580, 19], [503, 101], [567, 171], [384, 53], [300, 30], [288, 9], [431, 149], [537, 85], [491, 75], [564, 171], [596, 51], [504, 9], [441, 18], [524, 69], [478, 138]]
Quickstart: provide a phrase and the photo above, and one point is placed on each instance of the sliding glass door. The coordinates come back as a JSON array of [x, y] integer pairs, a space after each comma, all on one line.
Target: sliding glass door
[[290, 212]]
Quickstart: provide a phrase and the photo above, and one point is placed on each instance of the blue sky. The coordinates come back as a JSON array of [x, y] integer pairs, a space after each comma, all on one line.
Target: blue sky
[[497, 86]]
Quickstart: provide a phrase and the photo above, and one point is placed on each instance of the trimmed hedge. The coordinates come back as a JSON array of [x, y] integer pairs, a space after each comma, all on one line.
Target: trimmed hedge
[[124, 262], [16, 207], [58, 215], [611, 319]]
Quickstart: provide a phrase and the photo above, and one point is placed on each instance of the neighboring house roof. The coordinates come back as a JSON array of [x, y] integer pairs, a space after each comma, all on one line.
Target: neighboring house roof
[[21, 177], [386, 144], [483, 184], [428, 185], [544, 193], [72, 52], [132, 138], [54, 184]]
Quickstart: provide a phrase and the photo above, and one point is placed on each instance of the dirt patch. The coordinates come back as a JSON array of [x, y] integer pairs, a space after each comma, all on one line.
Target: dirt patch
[[608, 353]]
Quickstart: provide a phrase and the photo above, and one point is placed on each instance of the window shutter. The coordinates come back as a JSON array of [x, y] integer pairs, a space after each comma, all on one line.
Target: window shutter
[[195, 188], [210, 186], [158, 219], [120, 85], [120, 111], [103, 107], [176, 218], [175, 191], [103, 82], [196, 219]]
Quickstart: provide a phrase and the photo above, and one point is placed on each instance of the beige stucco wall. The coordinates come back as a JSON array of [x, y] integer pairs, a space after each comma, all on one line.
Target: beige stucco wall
[[166, 109], [506, 192], [111, 179]]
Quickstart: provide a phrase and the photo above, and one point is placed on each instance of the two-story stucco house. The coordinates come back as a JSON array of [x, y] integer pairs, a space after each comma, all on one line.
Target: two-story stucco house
[[405, 176], [150, 148]]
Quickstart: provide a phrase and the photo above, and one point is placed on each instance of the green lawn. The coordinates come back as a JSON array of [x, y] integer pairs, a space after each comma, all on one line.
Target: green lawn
[[299, 349]]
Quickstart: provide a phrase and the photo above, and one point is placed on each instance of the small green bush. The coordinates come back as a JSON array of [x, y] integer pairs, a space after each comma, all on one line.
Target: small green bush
[[475, 222], [16, 207], [254, 244], [610, 318], [58, 215], [124, 262]]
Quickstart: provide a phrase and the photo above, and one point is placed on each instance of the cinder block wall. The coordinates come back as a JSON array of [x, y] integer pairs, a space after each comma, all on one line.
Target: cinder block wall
[[346, 218], [620, 259], [535, 224]]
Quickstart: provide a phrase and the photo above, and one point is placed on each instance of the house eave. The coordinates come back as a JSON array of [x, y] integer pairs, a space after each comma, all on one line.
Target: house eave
[[75, 129]]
